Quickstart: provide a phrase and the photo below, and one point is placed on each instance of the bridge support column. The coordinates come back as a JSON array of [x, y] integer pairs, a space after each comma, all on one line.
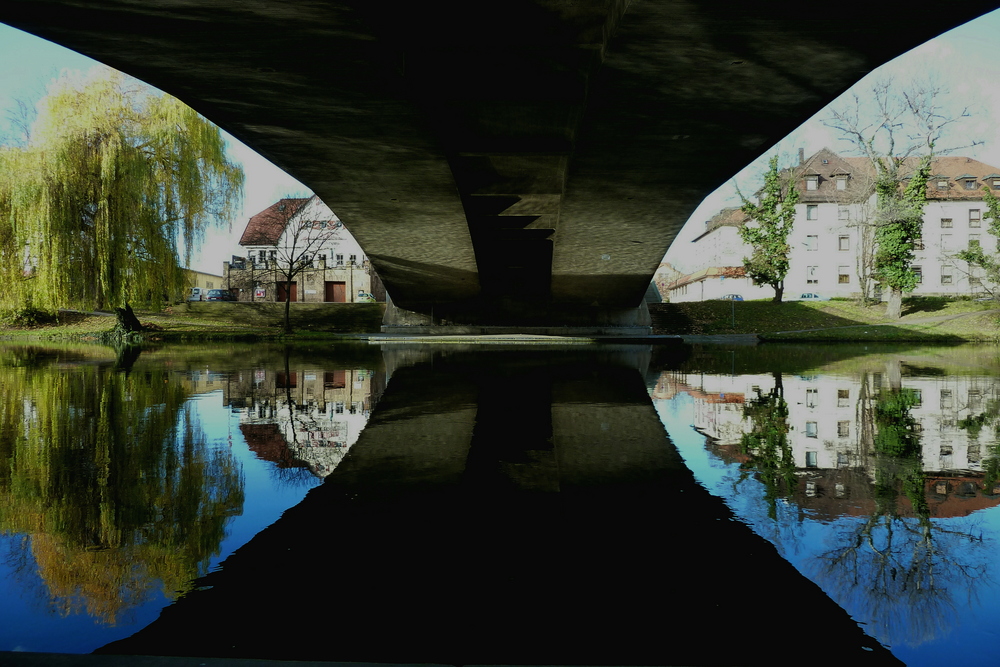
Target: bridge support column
[[484, 317]]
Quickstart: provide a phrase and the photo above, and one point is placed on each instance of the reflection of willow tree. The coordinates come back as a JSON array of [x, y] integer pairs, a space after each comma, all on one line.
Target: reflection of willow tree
[[896, 569], [766, 445], [112, 483]]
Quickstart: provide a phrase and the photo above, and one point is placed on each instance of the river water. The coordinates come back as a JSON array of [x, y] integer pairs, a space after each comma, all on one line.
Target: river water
[[530, 504]]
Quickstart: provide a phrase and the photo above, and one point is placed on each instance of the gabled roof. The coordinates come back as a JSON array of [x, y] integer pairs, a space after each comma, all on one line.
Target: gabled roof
[[706, 274], [727, 217], [266, 227]]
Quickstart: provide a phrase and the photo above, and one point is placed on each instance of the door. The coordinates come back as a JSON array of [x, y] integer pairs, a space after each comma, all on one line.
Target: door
[[335, 292], [281, 292]]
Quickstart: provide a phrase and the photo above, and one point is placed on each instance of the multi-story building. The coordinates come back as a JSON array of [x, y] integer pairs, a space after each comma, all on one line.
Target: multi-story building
[[832, 238], [330, 265]]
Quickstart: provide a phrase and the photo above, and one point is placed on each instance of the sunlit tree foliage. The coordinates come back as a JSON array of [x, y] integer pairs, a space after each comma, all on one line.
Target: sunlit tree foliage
[[112, 177]]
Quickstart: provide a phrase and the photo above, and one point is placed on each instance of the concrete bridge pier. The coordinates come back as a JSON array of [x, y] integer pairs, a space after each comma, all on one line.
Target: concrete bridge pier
[[506, 316]]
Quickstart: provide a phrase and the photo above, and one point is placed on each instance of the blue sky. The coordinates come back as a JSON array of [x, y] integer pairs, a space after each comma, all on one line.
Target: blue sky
[[965, 60]]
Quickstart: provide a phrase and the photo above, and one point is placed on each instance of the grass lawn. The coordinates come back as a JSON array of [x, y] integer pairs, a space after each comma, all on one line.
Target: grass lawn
[[216, 321], [924, 318]]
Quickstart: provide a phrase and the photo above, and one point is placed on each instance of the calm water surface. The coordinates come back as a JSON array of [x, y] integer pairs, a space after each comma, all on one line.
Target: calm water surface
[[127, 479]]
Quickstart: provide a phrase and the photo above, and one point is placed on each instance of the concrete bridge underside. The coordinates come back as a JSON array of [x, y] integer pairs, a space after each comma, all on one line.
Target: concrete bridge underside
[[504, 163]]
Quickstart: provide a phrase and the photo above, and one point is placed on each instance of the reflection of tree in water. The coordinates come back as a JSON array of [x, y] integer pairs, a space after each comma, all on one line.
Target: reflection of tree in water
[[766, 445], [110, 477], [896, 569]]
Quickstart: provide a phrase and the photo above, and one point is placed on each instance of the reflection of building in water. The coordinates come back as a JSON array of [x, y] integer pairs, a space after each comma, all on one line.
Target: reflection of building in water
[[304, 417], [831, 431]]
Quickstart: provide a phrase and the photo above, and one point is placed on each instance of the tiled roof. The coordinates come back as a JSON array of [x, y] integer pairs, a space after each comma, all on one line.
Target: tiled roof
[[827, 165], [710, 272], [266, 227]]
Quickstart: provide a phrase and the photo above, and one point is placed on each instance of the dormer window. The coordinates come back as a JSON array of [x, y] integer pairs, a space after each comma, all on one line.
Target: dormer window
[[993, 180], [968, 181], [842, 181], [812, 182], [942, 184]]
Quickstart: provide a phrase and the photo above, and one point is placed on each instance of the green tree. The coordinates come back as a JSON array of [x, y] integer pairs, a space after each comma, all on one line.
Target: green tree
[[899, 222], [767, 446], [773, 216], [977, 258], [897, 129], [113, 177]]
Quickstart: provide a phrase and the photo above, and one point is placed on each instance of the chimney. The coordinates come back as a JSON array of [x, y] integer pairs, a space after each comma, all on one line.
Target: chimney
[[802, 156]]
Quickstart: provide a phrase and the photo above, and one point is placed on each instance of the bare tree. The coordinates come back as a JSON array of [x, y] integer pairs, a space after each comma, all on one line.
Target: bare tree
[[899, 130], [297, 252]]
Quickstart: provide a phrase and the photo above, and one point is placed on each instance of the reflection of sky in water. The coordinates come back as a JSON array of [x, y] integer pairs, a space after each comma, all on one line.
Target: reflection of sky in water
[[26, 624], [965, 628]]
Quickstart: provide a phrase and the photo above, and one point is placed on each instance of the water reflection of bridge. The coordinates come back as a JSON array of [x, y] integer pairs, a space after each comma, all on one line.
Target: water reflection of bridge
[[831, 431], [306, 417]]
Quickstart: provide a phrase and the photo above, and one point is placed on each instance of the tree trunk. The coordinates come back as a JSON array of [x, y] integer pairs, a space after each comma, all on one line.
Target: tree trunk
[[127, 321], [288, 306], [894, 306], [779, 290]]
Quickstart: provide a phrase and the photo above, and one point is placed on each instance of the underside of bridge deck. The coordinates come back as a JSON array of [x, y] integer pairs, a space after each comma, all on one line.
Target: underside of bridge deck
[[518, 163]]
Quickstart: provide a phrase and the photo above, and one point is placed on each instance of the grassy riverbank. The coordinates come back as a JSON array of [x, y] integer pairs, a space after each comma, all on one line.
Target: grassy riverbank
[[216, 321], [924, 319]]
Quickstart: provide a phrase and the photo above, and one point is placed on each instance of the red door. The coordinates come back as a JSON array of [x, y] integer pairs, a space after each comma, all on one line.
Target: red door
[[281, 292], [335, 292]]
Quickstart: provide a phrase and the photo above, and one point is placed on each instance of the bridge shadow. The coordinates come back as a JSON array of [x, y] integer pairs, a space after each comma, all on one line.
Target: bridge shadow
[[523, 506]]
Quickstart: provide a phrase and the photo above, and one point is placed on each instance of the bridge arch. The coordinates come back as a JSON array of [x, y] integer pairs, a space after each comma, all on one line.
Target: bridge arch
[[503, 163]]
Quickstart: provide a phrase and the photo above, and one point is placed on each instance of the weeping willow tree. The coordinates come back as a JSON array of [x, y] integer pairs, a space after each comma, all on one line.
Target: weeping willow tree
[[109, 480], [113, 178]]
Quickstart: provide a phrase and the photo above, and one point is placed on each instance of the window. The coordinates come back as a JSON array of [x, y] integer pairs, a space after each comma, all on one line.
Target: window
[[843, 398], [918, 271], [353, 259], [274, 255], [918, 244], [945, 277], [811, 430], [812, 461], [942, 184], [918, 397], [946, 223], [811, 396], [812, 242], [842, 183], [946, 241], [812, 273], [812, 212], [974, 217], [843, 243], [338, 408], [843, 275], [947, 401], [812, 182], [973, 241], [844, 429], [996, 183], [843, 213], [970, 184], [340, 260]]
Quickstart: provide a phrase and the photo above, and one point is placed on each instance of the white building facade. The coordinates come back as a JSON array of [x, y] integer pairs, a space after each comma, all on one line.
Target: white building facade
[[302, 231], [831, 236]]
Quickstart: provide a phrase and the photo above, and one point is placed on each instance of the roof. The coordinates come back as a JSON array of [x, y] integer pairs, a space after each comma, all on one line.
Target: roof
[[266, 227], [828, 165], [727, 217], [710, 272]]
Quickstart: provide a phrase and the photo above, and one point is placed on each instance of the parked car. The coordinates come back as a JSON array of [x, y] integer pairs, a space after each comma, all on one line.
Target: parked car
[[220, 295], [731, 297], [197, 294], [812, 296]]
